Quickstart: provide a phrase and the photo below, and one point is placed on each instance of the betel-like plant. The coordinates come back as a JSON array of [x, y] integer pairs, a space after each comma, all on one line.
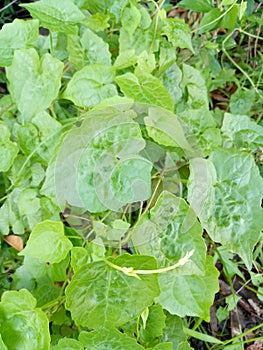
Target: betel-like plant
[[112, 169]]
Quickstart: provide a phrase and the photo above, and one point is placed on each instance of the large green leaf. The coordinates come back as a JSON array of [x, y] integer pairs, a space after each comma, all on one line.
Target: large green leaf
[[91, 85], [102, 163], [22, 325], [109, 339], [33, 83], [226, 191], [55, 15], [16, 35], [146, 89], [47, 242], [190, 295], [177, 32], [89, 49], [100, 295], [165, 129], [240, 132], [169, 232]]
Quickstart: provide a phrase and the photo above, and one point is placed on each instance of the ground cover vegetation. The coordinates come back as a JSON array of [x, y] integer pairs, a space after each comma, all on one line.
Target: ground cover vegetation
[[131, 152]]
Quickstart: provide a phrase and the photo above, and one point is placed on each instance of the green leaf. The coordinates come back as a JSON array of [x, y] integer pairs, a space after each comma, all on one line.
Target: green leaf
[[155, 323], [130, 19], [131, 180], [125, 59], [177, 32], [242, 101], [9, 215], [170, 232], [190, 295], [165, 129], [98, 6], [48, 129], [143, 37], [34, 82], [16, 35], [39, 279], [230, 18], [109, 339], [210, 21], [68, 344], [200, 130], [47, 242], [164, 346], [222, 192], [55, 15], [171, 80], [2, 345], [8, 149], [97, 22], [88, 49], [79, 257], [145, 89], [197, 5], [94, 303], [241, 132], [22, 325], [28, 202], [174, 332], [8, 153], [101, 148], [91, 85], [195, 86]]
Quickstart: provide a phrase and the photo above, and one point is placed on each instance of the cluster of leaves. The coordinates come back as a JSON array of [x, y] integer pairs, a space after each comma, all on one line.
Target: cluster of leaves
[[113, 164]]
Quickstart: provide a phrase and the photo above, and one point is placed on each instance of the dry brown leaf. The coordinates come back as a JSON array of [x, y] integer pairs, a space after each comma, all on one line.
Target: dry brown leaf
[[15, 242]]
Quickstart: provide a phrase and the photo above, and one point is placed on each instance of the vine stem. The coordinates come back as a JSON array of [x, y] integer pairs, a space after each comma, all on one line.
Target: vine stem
[[130, 271]]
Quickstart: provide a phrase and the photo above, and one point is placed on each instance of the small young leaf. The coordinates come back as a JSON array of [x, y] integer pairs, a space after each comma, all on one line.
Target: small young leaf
[[55, 15], [22, 325], [94, 303], [34, 82], [47, 242]]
